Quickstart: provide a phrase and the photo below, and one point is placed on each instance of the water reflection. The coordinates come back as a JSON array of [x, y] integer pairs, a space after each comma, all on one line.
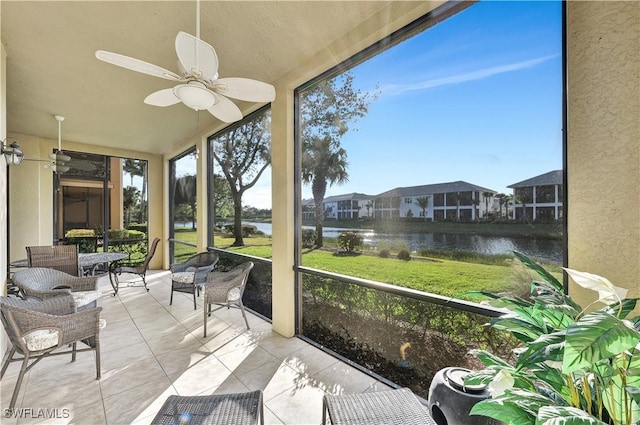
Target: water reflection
[[548, 249]]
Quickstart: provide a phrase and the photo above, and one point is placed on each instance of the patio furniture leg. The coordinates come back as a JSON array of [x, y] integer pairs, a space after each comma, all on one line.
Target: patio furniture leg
[[171, 298], [7, 359], [206, 307], [98, 373], [243, 314], [73, 352], [194, 299], [16, 390]]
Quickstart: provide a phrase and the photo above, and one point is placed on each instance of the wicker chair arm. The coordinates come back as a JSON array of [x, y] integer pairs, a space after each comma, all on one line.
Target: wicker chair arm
[[87, 283], [72, 327], [201, 273], [60, 303], [217, 289], [178, 267]]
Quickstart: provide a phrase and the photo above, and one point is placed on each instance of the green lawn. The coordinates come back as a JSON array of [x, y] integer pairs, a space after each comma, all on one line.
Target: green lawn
[[441, 276]]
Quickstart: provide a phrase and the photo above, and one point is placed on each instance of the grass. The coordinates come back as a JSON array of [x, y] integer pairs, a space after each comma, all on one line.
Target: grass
[[440, 272]]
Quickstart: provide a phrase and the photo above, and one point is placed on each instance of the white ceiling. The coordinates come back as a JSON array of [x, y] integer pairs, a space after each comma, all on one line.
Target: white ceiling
[[51, 67]]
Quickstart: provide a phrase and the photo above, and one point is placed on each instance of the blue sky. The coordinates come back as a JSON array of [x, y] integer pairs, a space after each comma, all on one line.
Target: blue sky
[[476, 98]]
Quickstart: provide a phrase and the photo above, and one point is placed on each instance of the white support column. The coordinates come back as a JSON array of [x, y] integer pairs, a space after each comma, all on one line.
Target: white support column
[[282, 193]]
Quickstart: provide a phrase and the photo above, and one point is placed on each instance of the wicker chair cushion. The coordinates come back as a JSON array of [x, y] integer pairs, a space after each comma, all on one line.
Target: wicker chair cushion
[[183, 277], [85, 297], [41, 339], [233, 294]]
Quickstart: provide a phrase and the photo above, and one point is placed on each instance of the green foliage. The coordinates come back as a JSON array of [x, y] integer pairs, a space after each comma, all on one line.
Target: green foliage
[[308, 237], [384, 253], [574, 366], [80, 233], [142, 227], [247, 229], [349, 241], [404, 255]]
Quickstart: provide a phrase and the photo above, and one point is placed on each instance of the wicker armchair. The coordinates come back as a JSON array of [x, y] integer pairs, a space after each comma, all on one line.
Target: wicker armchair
[[58, 257], [117, 268], [187, 277], [36, 328], [226, 289], [41, 282]]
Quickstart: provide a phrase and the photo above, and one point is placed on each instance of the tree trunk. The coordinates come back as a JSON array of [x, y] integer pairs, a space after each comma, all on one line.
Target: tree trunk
[[237, 220], [319, 188]]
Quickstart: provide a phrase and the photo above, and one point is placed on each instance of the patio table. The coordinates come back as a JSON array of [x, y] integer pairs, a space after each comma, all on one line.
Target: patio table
[[88, 260]]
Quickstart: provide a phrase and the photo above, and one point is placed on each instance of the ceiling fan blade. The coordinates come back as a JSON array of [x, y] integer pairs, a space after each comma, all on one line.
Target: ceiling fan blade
[[60, 156], [162, 98], [225, 110], [81, 165], [137, 65], [197, 57], [245, 89]]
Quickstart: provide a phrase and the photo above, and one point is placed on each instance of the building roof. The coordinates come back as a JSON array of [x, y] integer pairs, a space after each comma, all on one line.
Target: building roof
[[349, 197], [550, 178], [429, 189]]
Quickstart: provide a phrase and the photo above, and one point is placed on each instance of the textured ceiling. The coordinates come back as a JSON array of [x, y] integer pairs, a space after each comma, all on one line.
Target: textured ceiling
[[51, 67]]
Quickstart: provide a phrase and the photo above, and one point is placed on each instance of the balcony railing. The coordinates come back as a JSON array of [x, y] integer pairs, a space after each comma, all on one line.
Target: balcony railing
[[402, 335], [398, 335]]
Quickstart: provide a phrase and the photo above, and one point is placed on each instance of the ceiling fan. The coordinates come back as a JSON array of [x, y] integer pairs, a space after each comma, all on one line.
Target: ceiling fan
[[199, 87], [60, 162]]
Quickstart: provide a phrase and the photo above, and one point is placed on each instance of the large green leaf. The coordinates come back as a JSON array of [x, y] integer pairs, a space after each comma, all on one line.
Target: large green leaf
[[489, 359], [634, 392], [548, 347], [548, 277], [520, 328], [561, 415], [621, 309], [594, 337], [508, 413], [552, 377]]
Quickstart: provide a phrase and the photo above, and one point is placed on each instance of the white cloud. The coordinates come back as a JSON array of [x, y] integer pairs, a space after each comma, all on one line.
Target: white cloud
[[396, 89]]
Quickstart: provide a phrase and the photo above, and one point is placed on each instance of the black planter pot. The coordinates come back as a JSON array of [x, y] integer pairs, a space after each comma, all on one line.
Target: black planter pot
[[450, 401]]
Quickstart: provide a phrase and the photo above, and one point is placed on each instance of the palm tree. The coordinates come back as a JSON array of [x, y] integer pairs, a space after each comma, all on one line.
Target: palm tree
[[423, 203], [368, 205], [486, 196], [136, 167], [329, 168]]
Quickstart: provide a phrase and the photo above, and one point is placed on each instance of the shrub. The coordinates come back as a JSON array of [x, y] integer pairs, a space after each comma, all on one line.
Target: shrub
[[404, 254], [139, 227], [308, 237], [80, 233], [349, 241], [384, 253]]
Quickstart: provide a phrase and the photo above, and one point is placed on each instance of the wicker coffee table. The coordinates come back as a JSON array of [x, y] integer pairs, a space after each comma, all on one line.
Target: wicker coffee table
[[399, 406], [218, 409]]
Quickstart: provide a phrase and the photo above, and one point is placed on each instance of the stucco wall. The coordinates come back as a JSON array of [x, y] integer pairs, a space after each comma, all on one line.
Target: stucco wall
[[603, 155]]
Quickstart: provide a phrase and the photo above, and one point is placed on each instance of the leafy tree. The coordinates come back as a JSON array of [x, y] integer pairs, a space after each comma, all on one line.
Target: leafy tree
[[185, 195], [130, 198], [222, 199], [326, 111], [243, 153], [136, 167], [423, 203]]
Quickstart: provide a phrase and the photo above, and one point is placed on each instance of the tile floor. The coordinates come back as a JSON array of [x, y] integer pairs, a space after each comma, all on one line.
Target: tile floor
[[150, 350]]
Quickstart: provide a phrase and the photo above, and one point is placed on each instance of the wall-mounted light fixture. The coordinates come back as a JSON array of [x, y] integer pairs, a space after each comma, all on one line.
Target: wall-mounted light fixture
[[12, 153]]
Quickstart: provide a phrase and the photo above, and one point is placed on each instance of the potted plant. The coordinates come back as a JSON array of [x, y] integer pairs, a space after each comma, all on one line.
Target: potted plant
[[576, 365]]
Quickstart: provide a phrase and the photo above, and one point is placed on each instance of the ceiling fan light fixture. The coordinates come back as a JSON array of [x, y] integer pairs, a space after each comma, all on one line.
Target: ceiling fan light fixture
[[58, 168], [195, 96]]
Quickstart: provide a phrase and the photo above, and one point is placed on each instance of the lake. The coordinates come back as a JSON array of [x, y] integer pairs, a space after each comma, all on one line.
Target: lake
[[549, 249]]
